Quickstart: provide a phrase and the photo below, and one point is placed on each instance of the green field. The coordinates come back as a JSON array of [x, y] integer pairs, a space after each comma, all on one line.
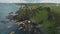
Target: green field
[[41, 14]]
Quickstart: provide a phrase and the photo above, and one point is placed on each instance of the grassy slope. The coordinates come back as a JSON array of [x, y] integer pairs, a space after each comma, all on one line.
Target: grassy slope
[[56, 10], [42, 15]]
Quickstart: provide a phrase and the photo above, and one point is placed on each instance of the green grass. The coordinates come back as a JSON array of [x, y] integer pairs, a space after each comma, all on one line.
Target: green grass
[[55, 9], [42, 15], [49, 26]]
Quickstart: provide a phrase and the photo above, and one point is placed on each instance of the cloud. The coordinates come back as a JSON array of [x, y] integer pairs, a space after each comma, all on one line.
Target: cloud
[[50, 1], [32, 1], [29, 1], [9, 1]]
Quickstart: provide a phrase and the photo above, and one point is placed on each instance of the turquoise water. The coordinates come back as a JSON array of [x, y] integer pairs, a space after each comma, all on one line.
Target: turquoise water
[[5, 9]]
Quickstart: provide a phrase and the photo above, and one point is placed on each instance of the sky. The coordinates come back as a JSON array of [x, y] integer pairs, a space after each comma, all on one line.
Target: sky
[[29, 1]]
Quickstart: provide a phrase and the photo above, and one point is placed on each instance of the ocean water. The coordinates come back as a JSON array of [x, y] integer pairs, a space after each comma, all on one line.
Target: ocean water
[[5, 9]]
